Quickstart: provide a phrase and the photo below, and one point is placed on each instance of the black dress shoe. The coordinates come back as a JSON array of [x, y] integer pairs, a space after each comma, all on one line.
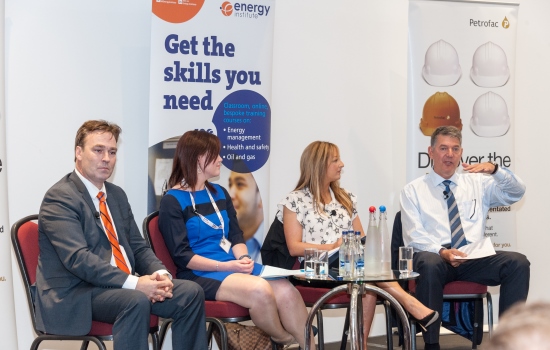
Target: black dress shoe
[[427, 321], [434, 346]]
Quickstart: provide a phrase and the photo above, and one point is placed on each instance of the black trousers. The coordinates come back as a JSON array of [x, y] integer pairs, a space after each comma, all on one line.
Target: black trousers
[[510, 270], [130, 311]]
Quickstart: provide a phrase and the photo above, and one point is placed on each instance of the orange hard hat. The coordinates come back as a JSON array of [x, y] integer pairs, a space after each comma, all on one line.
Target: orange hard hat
[[439, 110]]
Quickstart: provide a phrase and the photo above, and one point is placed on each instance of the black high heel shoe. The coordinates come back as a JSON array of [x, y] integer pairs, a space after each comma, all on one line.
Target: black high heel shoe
[[427, 321]]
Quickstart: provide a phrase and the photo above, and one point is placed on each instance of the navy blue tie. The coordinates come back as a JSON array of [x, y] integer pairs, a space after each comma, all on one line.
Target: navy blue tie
[[457, 233]]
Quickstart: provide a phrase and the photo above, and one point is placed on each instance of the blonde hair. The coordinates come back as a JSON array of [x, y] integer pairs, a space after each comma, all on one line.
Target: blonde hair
[[313, 170]]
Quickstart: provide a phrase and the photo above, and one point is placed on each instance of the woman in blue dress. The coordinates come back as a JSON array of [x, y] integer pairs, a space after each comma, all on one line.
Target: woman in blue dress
[[199, 225]]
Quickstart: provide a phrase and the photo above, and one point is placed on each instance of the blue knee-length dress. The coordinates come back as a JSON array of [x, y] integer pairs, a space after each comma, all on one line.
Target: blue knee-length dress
[[186, 234]]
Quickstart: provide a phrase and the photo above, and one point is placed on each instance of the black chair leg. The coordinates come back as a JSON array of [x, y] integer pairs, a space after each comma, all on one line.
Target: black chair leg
[[223, 332], [389, 335], [320, 331], [155, 341], [163, 329], [413, 336], [478, 308]]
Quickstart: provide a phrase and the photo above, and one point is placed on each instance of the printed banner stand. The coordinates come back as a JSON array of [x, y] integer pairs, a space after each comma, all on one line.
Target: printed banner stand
[[211, 70], [7, 308], [462, 73]]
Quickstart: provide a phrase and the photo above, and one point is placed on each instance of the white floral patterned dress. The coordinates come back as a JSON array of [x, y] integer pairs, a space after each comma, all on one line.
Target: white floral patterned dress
[[318, 228]]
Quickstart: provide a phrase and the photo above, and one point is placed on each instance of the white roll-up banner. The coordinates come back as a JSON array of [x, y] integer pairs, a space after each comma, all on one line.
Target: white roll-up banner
[[7, 309], [462, 72]]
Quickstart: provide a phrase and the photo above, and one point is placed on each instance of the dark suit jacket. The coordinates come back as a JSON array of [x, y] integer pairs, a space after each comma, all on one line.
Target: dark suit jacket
[[75, 254]]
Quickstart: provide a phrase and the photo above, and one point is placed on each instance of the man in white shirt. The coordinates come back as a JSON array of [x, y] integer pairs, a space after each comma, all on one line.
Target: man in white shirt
[[427, 226]]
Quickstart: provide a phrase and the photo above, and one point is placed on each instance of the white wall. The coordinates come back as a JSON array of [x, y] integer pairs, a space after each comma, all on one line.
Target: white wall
[[339, 75], [68, 62]]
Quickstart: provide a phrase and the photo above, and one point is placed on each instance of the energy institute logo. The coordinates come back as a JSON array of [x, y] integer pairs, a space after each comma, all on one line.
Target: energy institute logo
[[227, 8], [244, 10]]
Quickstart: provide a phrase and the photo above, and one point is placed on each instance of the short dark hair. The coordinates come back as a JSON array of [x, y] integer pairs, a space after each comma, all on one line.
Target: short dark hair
[[191, 146], [446, 130], [91, 126]]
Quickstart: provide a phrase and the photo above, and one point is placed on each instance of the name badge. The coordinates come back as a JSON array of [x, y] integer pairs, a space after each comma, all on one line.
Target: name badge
[[225, 244]]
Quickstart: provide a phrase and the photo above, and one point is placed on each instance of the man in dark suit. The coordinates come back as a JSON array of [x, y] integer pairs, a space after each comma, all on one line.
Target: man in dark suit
[[84, 275]]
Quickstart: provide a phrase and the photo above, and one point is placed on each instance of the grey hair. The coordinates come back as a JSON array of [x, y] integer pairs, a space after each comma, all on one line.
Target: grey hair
[[446, 130]]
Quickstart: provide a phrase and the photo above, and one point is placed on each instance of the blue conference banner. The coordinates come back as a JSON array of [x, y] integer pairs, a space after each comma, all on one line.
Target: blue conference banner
[[243, 122], [211, 64]]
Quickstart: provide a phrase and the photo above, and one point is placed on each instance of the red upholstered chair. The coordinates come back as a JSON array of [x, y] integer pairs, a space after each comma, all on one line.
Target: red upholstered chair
[[464, 291], [457, 290], [24, 237], [217, 312]]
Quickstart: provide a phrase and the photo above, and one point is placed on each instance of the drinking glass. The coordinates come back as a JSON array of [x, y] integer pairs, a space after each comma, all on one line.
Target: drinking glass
[[321, 264], [310, 255], [405, 259]]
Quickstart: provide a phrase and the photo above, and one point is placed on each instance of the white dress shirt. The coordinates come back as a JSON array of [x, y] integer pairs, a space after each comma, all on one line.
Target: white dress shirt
[[424, 213], [254, 245], [132, 280]]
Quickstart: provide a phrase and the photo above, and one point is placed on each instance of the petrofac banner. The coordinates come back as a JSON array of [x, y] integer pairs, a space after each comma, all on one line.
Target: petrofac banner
[[462, 73], [211, 70], [7, 308]]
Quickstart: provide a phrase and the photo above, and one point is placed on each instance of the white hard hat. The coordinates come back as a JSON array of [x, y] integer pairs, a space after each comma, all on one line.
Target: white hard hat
[[441, 66], [490, 66], [490, 116]]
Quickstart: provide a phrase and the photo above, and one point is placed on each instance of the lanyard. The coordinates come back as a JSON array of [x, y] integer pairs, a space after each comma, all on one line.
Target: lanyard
[[204, 219]]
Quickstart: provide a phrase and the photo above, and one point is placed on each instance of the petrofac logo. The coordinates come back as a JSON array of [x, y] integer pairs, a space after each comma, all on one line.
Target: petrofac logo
[[505, 23], [244, 10], [489, 23]]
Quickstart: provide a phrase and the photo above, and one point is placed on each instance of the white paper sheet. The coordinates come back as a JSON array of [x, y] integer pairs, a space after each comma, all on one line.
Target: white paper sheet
[[476, 250], [272, 271]]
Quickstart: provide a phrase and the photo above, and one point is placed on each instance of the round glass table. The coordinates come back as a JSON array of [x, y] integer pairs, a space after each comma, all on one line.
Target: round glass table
[[356, 287]]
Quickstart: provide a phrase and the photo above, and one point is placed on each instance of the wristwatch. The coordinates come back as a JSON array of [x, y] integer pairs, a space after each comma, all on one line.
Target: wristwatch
[[496, 167]]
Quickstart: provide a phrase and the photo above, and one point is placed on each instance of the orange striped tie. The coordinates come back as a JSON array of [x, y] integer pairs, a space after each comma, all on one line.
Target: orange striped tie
[[119, 258]]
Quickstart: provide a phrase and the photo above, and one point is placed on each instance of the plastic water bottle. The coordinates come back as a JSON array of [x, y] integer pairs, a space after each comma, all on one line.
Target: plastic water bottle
[[350, 257], [373, 247], [359, 256], [385, 240], [342, 254], [346, 256]]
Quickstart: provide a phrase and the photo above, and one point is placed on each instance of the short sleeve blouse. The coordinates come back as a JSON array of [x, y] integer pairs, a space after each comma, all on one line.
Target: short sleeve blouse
[[318, 228]]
